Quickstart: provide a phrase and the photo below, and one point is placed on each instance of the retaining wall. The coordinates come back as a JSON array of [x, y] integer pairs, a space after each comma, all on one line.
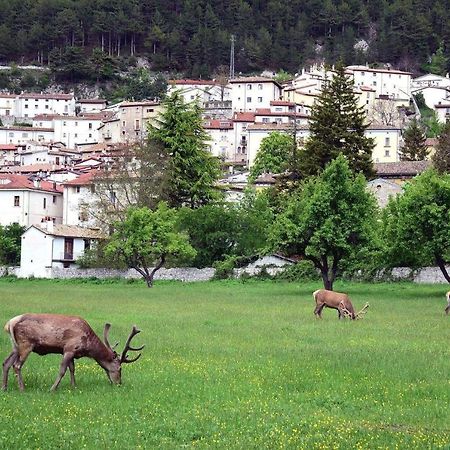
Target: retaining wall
[[424, 275]]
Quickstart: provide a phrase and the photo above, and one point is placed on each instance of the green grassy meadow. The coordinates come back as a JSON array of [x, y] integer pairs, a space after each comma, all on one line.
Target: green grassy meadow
[[234, 365]]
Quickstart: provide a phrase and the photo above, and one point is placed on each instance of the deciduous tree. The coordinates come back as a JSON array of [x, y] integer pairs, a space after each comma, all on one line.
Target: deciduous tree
[[146, 239], [417, 223], [327, 220]]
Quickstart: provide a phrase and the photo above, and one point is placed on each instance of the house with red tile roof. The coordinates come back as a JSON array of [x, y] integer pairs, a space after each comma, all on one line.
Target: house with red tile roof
[[29, 200]]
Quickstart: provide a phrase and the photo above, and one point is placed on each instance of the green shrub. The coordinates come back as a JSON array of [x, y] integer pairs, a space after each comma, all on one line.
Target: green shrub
[[303, 270]]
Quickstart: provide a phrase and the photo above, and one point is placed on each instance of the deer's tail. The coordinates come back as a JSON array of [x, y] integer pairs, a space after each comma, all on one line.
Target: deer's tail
[[9, 328]]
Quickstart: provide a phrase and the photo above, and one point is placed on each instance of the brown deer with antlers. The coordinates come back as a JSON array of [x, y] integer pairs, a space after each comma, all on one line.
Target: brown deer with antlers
[[338, 301], [70, 336]]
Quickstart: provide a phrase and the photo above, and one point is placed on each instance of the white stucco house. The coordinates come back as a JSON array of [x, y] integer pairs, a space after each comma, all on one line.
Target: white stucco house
[[250, 93], [27, 202], [22, 135], [434, 88], [80, 202], [50, 246], [29, 105]]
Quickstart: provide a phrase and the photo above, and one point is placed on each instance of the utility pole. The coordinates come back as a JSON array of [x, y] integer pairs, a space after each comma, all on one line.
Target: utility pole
[[233, 39]]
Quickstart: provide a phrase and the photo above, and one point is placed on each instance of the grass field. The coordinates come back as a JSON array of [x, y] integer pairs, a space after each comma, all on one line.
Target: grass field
[[233, 365]]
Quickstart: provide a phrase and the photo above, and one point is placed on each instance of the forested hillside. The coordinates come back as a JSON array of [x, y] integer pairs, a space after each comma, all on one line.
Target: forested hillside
[[193, 36]]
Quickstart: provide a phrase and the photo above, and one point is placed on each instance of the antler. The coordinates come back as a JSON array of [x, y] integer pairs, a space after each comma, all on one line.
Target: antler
[[363, 311], [344, 311], [123, 358], [105, 337]]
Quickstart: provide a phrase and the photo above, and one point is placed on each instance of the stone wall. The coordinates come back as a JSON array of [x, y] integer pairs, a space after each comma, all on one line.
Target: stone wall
[[425, 275]]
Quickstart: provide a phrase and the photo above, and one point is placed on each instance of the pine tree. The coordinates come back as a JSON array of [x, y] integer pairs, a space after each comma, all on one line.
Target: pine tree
[[192, 170], [414, 147], [441, 158], [337, 126]]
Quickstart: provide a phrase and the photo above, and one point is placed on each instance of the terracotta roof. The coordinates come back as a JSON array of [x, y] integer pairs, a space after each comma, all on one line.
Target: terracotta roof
[[47, 96], [281, 103], [35, 168], [8, 147], [72, 231], [401, 168], [276, 126], [244, 117], [15, 181], [216, 124], [85, 179], [4, 95], [442, 105]]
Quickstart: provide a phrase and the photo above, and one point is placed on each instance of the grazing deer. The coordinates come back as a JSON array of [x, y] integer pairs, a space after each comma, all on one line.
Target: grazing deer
[[70, 336], [338, 301], [447, 296]]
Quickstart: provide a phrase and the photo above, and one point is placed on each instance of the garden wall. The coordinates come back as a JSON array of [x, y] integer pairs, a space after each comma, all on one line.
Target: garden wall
[[424, 275]]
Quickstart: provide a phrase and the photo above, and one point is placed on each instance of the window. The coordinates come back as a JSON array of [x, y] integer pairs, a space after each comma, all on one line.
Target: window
[[92, 188], [387, 153], [24, 135], [36, 106], [90, 135], [137, 125], [64, 123], [44, 203], [77, 189], [123, 123], [265, 120], [260, 87], [249, 99], [46, 106], [249, 86], [76, 124], [259, 99], [54, 199], [16, 200], [7, 112], [150, 110], [26, 106], [387, 141]]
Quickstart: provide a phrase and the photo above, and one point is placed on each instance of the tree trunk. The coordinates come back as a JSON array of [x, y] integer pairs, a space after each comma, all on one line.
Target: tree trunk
[[441, 263]]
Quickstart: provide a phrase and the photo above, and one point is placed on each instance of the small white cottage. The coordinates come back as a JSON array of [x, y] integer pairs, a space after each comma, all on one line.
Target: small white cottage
[[50, 246]]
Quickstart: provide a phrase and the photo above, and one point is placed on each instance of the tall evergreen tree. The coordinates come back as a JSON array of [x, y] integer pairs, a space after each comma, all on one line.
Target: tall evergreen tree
[[337, 126], [414, 147], [192, 169], [441, 158]]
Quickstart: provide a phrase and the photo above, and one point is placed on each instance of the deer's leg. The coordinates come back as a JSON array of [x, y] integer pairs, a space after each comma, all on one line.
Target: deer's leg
[[447, 309], [7, 363], [72, 372], [318, 310], [18, 363], [67, 358]]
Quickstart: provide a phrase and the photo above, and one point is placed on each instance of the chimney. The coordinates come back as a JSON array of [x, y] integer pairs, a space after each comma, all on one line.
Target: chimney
[[49, 226]]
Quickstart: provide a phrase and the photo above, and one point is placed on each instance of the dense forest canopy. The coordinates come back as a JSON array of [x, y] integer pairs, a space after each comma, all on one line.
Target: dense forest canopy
[[193, 36]]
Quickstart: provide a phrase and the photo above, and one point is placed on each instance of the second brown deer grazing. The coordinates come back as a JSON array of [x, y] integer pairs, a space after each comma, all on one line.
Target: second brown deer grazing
[[447, 296], [70, 336], [336, 300]]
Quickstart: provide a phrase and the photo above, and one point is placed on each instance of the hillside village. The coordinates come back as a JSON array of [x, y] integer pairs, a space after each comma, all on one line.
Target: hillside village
[[52, 146]]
